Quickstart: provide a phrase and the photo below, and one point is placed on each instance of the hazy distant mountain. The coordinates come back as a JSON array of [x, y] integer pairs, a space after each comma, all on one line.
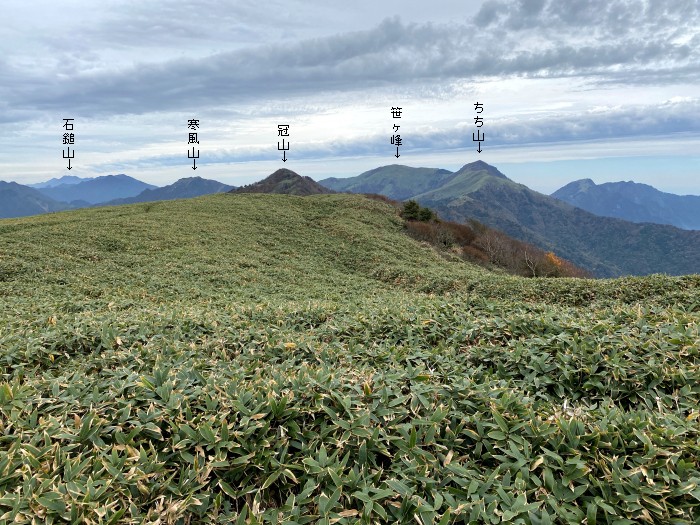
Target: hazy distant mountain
[[285, 181], [607, 247], [98, 190], [633, 202], [66, 179], [17, 200], [181, 189]]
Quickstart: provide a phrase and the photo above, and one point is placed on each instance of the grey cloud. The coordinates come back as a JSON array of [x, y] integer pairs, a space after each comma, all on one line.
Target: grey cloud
[[524, 13], [592, 18], [490, 13], [391, 54], [607, 15], [344, 62], [201, 22], [649, 76], [661, 121]]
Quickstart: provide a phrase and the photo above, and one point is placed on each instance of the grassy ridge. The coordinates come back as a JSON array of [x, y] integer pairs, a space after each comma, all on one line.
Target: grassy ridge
[[296, 360], [241, 246]]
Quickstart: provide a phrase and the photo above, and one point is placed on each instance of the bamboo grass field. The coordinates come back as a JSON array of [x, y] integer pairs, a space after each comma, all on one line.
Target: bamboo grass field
[[271, 359]]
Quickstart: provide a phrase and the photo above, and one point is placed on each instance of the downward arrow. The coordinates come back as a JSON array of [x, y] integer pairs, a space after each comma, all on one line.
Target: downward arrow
[[69, 165], [284, 156], [397, 152], [194, 164], [479, 148]]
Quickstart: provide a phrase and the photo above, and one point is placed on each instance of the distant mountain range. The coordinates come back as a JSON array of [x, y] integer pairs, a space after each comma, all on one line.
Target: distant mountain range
[[17, 200], [633, 202], [69, 192], [285, 181], [66, 179], [97, 190], [181, 189], [607, 247]]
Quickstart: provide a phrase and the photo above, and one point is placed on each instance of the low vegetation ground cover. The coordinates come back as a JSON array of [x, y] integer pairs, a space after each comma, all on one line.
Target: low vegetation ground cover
[[277, 359]]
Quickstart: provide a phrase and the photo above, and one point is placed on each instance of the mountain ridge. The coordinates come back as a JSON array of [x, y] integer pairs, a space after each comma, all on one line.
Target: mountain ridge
[[18, 200], [97, 190], [285, 181], [632, 201], [57, 181], [605, 246], [184, 188], [401, 188]]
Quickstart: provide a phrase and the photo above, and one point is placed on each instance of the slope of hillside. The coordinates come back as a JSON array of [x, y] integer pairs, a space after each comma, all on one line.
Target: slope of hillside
[[275, 359], [97, 190], [469, 179], [633, 202], [395, 181], [287, 182], [181, 189], [607, 247], [17, 200]]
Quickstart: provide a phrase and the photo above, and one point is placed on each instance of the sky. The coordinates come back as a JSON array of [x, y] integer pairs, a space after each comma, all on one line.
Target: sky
[[599, 89]]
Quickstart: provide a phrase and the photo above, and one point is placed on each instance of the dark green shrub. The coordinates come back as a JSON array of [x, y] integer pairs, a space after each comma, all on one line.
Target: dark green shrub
[[425, 215], [411, 210]]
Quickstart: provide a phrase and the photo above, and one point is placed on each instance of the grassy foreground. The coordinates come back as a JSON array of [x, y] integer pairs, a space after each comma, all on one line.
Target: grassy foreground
[[277, 359]]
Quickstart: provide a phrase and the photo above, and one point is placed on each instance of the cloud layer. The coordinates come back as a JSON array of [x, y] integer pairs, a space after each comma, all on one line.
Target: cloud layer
[[620, 41], [619, 68]]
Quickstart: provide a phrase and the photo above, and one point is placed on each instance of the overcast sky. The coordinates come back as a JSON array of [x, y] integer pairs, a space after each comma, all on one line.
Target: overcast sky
[[603, 89]]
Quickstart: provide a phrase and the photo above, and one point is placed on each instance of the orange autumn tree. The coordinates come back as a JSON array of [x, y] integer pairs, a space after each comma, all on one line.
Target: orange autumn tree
[[553, 265], [558, 267], [554, 260]]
